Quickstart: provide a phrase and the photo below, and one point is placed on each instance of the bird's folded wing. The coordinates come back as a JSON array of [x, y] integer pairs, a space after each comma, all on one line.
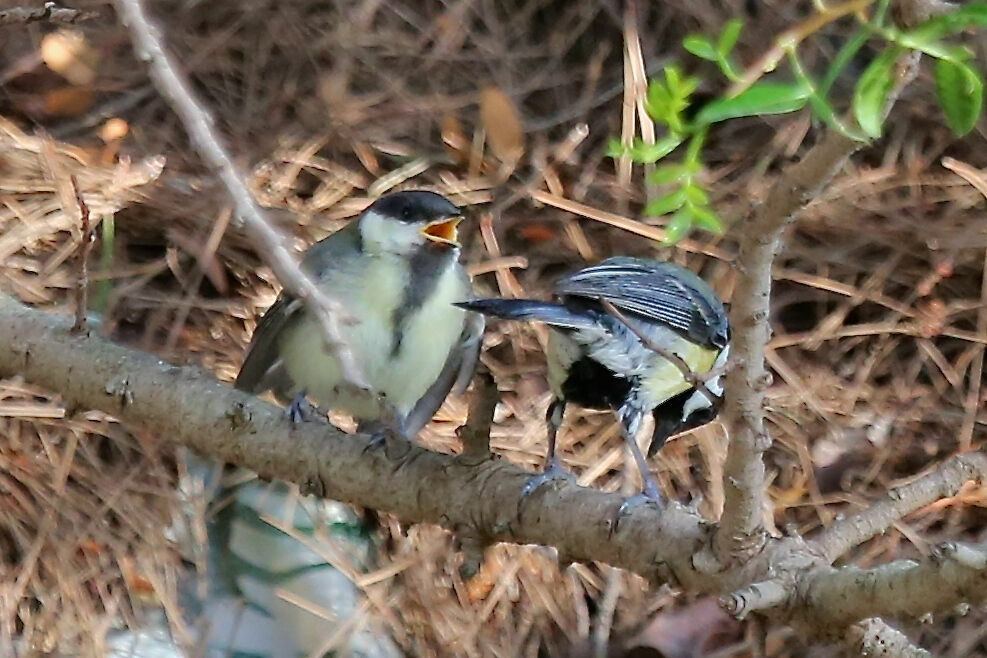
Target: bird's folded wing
[[656, 291], [455, 375], [263, 356], [262, 366]]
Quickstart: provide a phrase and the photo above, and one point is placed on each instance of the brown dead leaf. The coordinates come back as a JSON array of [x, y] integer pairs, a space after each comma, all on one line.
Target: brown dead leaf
[[67, 53], [67, 101], [137, 582], [502, 123], [480, 585], [537, 232]]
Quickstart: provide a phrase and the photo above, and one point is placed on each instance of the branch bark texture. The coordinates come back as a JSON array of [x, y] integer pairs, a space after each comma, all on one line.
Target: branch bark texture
[[741, 531], [901, 589], [873, 637], [943, 482]]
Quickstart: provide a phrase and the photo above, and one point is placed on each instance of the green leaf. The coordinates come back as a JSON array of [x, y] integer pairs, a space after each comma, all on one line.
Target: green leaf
[[973, 14], [934, 48], [672, 78], [659, 102], [960, 88], [677, 227], [649, 153], [700, 46], [729, 36], [669, 174], [760, 98], [871, 93], [704, 217], [666, 204], [696, 195]]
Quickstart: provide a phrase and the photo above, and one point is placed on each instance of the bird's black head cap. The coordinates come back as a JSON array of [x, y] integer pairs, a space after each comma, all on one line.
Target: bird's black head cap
[[415, 206]]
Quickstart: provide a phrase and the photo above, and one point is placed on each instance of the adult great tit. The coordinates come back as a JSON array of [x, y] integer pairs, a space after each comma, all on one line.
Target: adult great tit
[[609, 325], [395, 270]]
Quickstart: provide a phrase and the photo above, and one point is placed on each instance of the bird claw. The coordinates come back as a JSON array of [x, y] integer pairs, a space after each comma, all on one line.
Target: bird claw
[[555, 471], [377, 440], [650, 496], [299, 409]]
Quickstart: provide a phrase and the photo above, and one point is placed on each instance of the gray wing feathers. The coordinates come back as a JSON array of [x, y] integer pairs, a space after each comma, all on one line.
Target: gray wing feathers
[[455, 375], [261, 364], [655, 290]]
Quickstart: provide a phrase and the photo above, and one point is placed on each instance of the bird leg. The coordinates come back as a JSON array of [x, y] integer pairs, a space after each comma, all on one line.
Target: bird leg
[[380, 431], [553, 467], [630, 422], [299, 410]]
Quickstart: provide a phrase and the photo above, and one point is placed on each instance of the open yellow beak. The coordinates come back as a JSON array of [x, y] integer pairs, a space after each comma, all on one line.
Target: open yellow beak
[[443, 230]]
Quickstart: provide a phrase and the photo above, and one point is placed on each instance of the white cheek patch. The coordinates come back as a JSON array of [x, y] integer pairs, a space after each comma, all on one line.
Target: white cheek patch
[[388, 235], [698, 399]]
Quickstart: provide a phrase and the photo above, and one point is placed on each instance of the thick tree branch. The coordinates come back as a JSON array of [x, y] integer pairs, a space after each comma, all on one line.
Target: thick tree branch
[[944, 481], [267, 240], [186, 406], [474, 497], [901, 589]]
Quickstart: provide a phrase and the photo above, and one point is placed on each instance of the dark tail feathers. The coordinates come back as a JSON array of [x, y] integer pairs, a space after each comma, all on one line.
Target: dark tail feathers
[[529, 309]]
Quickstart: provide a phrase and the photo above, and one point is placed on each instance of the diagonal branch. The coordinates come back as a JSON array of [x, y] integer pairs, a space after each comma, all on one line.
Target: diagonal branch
[[267, 240], [741, 532], [843, 535]]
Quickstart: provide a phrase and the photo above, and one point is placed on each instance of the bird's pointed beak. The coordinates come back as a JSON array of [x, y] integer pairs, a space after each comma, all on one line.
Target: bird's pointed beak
[[443, 230]]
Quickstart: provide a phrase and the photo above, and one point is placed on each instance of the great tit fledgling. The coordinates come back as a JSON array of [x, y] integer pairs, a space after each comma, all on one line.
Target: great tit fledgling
[[395, 270], [596, 360]]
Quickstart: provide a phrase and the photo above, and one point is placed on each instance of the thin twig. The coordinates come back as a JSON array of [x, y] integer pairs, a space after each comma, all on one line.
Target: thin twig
[[604, 615], [790, 38], [697, 382], [475, 434], [85, 248], [267, 240], [977, 179], [50, 12]]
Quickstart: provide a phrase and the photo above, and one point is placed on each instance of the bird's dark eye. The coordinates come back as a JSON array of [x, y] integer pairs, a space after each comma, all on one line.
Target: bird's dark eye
[[406, 213]]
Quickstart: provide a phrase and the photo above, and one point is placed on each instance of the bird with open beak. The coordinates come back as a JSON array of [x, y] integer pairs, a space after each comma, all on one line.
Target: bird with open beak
[[395, 271]]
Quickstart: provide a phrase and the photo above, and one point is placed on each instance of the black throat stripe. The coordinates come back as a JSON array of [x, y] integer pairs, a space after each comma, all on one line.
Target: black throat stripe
[[425, 269]]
